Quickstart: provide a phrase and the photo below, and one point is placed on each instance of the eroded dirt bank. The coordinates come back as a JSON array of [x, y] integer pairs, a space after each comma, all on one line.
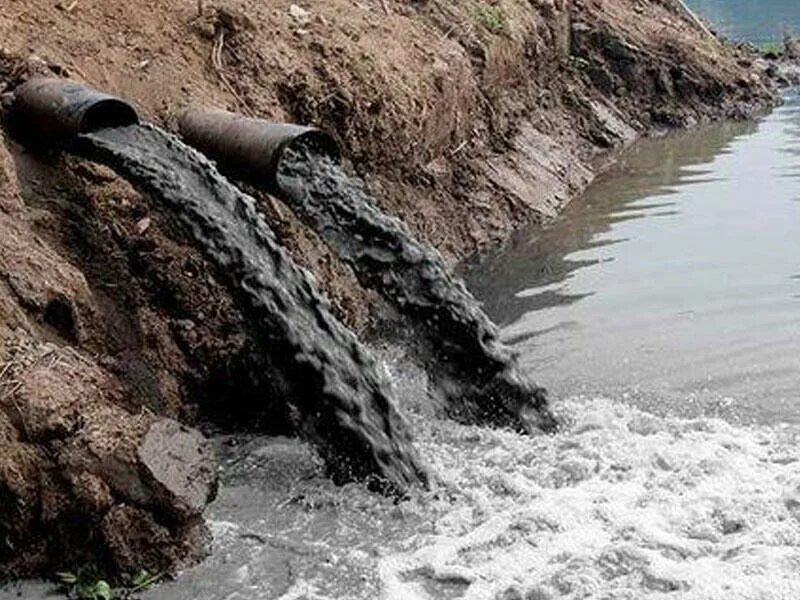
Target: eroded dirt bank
[[467, 119]]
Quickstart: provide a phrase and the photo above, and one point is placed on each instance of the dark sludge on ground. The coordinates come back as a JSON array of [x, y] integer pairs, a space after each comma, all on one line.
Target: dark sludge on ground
[[344, 405]]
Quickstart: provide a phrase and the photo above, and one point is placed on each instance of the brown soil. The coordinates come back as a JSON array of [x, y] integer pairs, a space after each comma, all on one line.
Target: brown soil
[[466, 118]]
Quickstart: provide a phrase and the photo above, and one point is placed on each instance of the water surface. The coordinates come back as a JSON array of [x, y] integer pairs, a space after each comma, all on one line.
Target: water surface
[[757, 21], [674, 282]]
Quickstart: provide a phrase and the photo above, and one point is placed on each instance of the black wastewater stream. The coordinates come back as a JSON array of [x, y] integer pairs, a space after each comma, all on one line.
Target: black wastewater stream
[[345, 404], [456, 341]]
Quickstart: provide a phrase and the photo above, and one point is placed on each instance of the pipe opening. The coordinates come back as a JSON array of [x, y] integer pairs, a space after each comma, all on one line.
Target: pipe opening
[[108, 113], [252, 149], [316, 142], [47, 109]]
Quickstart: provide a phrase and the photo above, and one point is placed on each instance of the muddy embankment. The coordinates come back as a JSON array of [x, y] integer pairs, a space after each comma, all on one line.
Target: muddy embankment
[[117, 334]]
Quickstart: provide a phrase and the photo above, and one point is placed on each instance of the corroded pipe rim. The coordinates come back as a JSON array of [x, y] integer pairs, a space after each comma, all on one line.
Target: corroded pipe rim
[[110, 112], [251, 148]]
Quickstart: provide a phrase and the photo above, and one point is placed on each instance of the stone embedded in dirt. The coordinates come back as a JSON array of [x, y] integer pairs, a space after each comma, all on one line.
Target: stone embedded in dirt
[[179, 463], [299, 14], [143, 225]]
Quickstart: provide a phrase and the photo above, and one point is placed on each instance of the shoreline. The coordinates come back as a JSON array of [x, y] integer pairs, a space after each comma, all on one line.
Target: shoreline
[[607, 165]]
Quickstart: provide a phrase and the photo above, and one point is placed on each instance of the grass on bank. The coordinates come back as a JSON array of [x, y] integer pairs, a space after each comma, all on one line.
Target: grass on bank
[[770, 48], [492, 18]]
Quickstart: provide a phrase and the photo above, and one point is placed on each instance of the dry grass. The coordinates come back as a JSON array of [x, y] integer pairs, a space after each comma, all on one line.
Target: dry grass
[[224, 24]]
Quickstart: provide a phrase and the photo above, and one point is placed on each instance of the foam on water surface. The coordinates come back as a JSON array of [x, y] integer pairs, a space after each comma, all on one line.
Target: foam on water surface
[[622, 504]]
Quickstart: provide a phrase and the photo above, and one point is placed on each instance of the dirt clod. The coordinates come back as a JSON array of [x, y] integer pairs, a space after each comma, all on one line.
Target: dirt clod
[[180, 463]]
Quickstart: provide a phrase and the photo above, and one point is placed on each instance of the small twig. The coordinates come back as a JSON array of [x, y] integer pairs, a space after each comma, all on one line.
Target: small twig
[[79, 356], [6, 367], [690, 15], [13, 390], [78, 71], [216, 63], [386, 8], [146, 583], [447, 33], [216, 50], [71, 6], [459, 148]]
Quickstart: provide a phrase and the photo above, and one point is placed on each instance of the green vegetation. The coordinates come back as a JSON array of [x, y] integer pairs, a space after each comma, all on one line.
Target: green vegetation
[[85, 587], [88, 585], [492, 18], [770, 48]]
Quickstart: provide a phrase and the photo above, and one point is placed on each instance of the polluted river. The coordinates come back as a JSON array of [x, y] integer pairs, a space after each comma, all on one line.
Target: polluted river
[[230, 370], [659, 310]]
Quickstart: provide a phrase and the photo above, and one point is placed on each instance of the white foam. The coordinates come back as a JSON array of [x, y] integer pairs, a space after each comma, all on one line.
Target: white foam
[[622, 504]]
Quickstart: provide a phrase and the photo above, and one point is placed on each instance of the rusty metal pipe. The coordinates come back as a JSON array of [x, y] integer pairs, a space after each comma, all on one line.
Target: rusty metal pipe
[[251, 148], [48, 109]]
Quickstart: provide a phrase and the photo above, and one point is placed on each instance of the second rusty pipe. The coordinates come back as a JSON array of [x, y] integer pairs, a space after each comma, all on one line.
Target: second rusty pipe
[[250, 148]]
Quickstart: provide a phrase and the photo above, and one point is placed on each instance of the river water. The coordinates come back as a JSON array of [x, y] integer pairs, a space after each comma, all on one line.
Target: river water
[[674, 283], [757, 21]]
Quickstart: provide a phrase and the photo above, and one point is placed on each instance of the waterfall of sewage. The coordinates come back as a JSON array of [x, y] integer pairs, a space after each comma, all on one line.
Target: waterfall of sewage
[[345, 405], [452, 336], [621, 504]]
